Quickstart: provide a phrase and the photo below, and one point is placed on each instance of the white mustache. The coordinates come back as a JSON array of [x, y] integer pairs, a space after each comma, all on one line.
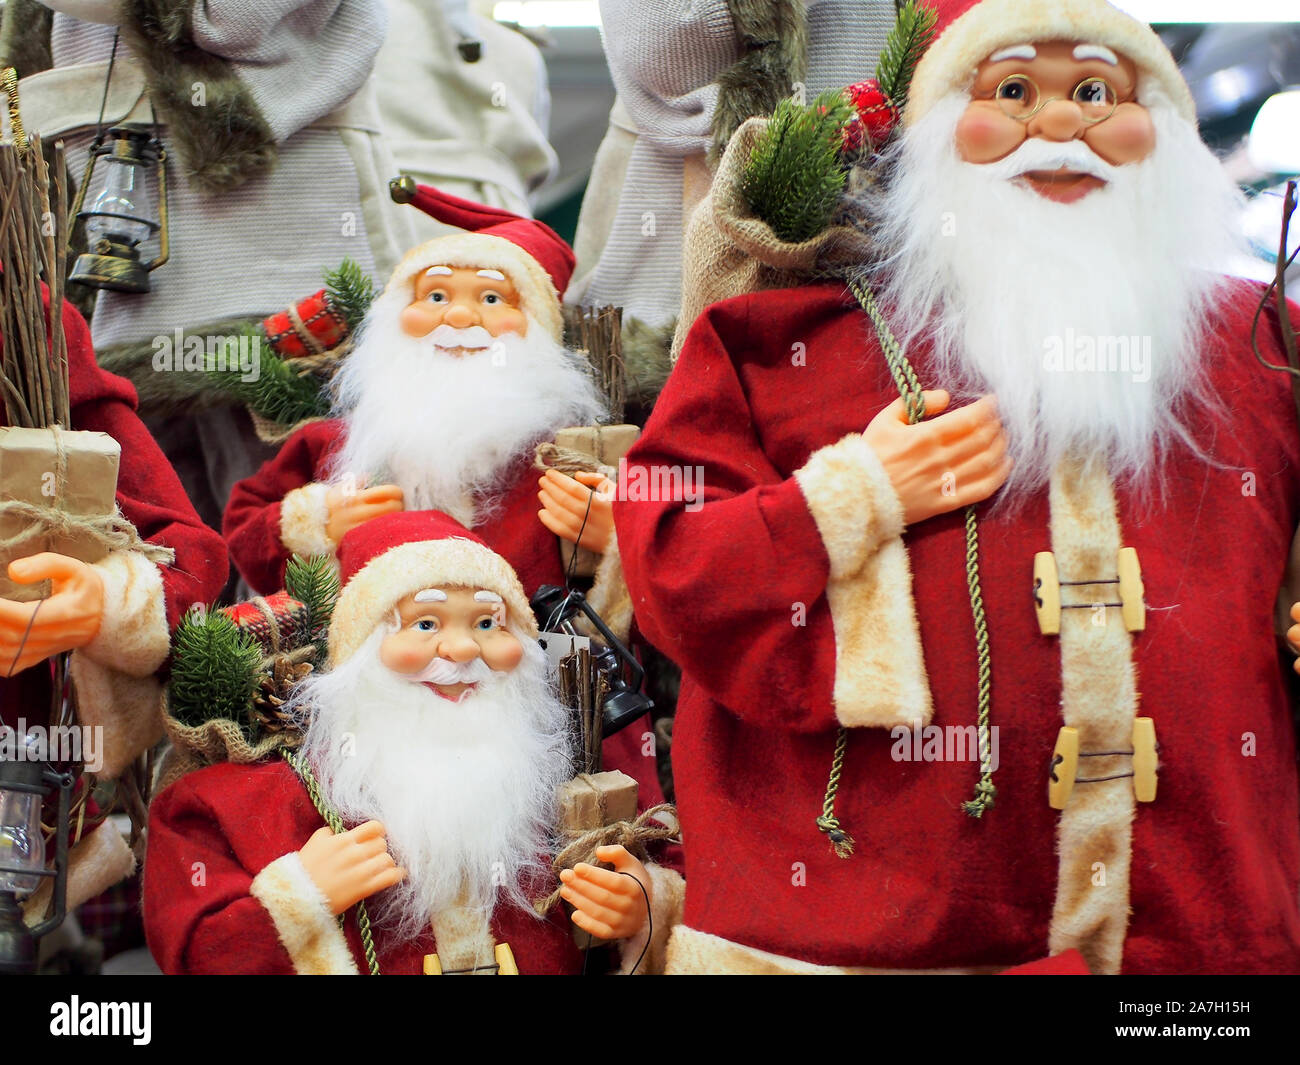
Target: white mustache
[[475, 336], [444, 671], [1038, 154]]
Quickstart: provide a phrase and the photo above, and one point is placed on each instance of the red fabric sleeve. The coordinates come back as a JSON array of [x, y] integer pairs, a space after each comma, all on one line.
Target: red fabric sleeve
[[199, 917], [721, 588], [148, 490], [252, 520]]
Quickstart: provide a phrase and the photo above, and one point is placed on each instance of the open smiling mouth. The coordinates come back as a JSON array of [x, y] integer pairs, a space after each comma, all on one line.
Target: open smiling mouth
[[1064, 185]]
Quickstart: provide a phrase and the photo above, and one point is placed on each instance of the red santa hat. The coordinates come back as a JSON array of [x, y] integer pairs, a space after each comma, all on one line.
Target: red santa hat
[[390, 557], [535, 258], [969, 31]]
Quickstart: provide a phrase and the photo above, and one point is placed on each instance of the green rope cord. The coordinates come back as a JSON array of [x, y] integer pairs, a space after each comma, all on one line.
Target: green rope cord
[[330, 816], [909, 387]]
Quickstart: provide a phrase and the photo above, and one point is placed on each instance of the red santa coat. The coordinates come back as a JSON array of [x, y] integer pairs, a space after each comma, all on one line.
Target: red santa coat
[[747, 593], [214, 904], [255, 528], [142, 602]]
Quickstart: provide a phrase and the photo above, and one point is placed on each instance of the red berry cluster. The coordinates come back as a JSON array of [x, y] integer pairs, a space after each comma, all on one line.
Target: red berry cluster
[[875, 116]]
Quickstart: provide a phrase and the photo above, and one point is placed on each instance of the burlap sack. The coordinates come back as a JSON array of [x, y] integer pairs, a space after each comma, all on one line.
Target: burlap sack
[[729, 251], [216, 740]]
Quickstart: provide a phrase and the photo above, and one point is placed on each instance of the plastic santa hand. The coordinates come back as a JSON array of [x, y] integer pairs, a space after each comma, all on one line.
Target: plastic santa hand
[[68, 619], [350, 506], [1293, 635], [605, 902], [564, 502], [943, 463], [350, 866]]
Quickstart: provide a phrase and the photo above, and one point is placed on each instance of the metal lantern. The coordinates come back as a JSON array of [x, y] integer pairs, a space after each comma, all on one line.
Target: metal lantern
[[120, 218], [24, 784]]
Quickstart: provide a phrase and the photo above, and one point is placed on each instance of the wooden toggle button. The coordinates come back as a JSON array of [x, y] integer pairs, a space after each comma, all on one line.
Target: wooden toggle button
[[1144, 759], [1047, 593], [1065, 767], [1133, 608]]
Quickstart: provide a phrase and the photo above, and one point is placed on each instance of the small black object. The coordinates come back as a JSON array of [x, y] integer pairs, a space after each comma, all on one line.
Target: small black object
[[470, 50]]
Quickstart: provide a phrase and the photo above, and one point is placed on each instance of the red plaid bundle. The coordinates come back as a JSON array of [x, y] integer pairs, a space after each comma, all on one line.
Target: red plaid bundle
[[310, 327], [277, 622]]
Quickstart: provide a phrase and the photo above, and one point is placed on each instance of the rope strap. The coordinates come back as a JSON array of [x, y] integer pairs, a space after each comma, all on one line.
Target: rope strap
[[331, 818]]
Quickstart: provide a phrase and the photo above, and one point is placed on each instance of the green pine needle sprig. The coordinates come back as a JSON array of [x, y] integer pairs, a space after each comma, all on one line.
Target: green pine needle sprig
[[314, 582], [350, 291], [215, 667], [276, 390], [912, 34], [795, 175]]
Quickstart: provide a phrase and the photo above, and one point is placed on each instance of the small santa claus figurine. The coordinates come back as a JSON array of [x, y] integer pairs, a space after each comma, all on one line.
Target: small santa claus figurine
[[434, 745], [867, 663]]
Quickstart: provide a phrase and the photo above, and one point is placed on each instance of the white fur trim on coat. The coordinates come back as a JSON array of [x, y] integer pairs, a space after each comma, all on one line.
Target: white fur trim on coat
[[303, 518], [310, 933], [880, 677], [1099, 698], [950, 64], [667, 897]]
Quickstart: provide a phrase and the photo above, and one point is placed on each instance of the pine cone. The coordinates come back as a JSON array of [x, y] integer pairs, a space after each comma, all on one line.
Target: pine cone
[[272, 692]]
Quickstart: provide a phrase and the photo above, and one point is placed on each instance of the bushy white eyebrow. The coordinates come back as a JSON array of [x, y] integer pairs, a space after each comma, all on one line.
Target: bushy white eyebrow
[[487, 597], [438, 271], [1019, 51], [431, 595], [1096, 51], [494, 275]]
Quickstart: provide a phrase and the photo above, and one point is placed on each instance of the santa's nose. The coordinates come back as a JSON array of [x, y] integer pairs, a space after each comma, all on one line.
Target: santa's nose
[[1060, 120], [458, 649], [459, 316]]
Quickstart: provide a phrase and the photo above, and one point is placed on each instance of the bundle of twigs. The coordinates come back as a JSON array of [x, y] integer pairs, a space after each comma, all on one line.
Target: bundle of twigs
[[599, 333], [33, 247], [1277, 290], [582, 688]]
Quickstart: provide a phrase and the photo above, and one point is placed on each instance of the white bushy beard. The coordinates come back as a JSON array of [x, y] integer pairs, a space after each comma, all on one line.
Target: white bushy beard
[[988, 272], [445, 428], [465, 790]]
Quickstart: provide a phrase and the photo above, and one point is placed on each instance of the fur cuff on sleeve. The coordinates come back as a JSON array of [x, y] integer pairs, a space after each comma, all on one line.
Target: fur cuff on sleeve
[[310, 933], [95, 863], [303, 517], [609, 595], [133, 636], [880, 678], [668, 891]]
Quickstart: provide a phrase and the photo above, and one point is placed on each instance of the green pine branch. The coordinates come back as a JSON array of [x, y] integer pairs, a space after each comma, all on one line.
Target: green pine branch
[[275, 389], [215, 666], [795, 176], [314, 582], [912, 34], [350, 292]]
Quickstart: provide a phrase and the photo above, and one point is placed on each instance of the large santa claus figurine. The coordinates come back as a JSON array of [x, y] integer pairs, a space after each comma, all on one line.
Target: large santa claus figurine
[[421, 802], [459, 371], [1085, 661]]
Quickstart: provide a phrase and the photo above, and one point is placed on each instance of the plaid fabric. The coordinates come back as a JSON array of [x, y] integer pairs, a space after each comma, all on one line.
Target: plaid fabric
[[310, 327], [290, 620]]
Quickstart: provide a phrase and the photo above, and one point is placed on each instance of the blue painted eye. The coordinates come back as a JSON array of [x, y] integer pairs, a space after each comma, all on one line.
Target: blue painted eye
[[437, 297], [491, 297], [426, 625], [486, 624]]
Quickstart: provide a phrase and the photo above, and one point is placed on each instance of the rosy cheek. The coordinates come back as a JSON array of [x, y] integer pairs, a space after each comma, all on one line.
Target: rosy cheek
[[418, 320], [985, 135], [402, 654], [506, 655], [506, 320], [1128, 136]]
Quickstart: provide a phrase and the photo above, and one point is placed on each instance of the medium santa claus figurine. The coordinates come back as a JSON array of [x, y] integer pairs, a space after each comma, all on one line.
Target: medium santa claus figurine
[[459, 371], [985, 672], [421, 802]]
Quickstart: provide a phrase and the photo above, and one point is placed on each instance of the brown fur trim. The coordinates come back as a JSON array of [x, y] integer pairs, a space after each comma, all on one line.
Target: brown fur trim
[[95, 863], [692, 953], [462, 938], [25, 37], [609, 595], [227, 141], [880, 677], [303, 516], [647, 361], [310, 934], [773, 37], [1099, 698], [667, 897]]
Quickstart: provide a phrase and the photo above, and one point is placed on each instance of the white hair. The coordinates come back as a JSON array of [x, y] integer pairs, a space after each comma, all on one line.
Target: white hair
[[465, 790], [996, 281]]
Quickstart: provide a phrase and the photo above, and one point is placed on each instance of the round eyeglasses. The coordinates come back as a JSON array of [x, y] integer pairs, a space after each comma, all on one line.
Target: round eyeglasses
[[1018, 97]]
